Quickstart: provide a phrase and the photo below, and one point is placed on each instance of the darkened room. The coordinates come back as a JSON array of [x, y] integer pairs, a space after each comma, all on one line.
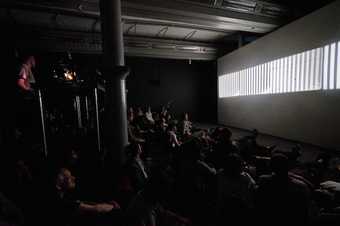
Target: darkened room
[[170, 113]]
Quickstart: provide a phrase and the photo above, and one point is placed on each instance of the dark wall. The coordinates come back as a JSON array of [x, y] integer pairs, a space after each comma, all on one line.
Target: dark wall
[[191, 87]]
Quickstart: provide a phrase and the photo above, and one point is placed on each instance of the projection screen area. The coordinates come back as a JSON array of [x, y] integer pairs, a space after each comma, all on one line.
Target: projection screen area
[[314, 69], [286, 84]]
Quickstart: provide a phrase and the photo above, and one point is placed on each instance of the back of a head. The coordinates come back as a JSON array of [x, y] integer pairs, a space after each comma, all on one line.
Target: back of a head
[[191, 149], [225, 134], [233, 165], [279, 164], [255, 133]]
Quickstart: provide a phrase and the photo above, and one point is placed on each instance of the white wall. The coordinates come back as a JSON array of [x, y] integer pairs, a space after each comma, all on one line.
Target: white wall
[[312, 117]]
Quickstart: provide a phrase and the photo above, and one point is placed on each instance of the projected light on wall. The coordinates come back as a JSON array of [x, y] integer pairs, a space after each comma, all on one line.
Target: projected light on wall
[[316, 69]]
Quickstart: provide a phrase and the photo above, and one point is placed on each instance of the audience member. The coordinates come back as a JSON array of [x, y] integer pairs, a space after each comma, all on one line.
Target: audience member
[[235, 191], [135, 167], [26, 77], [66, 209], [173, 140], [146, 207], [282, 200], [149, 117], [186, 126]]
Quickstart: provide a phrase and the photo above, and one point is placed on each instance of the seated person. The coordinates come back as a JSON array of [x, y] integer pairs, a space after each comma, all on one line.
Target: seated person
[[254, 147], [186, 125], [235, 190], [134, 132], [206, 140], [140, 112], [135, 169], [222, 148], [146, 207], [281, 199], [173, 140], [68, 210], [130, 115], [164, 124], [149, 117]]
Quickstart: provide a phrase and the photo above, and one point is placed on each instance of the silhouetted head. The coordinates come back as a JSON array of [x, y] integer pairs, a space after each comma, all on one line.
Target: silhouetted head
[[225, 134], [172, 127], [279, 164], [192, 149], [140, 111], [255, 133], [233, 165], [186, 116]]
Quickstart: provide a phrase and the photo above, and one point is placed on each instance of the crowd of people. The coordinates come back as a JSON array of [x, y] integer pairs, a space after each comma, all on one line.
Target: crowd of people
[[175, 174]]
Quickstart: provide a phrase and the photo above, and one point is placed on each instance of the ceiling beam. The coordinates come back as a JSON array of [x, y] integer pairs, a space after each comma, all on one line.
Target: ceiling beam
[[169, 12], [81, 42], [198, 16], [162, 32], [190, 35]]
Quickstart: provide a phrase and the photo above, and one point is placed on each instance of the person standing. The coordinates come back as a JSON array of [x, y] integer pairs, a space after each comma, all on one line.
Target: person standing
[[26, 105], [26, 77]]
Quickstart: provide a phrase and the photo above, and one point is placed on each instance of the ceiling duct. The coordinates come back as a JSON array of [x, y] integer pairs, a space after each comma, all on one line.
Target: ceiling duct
[[163, 46], [209, 50], [249, 4], [139, 44], [243, 6], [189, 48], [200, 2], [274, 10], [255, 7]]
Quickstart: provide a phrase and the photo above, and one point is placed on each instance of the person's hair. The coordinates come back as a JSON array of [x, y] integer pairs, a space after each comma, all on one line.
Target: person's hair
[[184, 114], [279, 164], [233, 164], [224, 133], [191, 149]]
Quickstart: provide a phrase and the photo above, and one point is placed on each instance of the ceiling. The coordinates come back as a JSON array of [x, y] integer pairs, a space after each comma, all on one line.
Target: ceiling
[[180, 29]]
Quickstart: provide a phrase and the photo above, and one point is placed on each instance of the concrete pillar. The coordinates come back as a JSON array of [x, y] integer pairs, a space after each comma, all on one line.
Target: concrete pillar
[[115, 124]]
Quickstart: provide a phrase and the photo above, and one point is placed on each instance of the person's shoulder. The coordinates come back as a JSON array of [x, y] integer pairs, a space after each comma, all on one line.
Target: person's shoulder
[[299, 185]]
